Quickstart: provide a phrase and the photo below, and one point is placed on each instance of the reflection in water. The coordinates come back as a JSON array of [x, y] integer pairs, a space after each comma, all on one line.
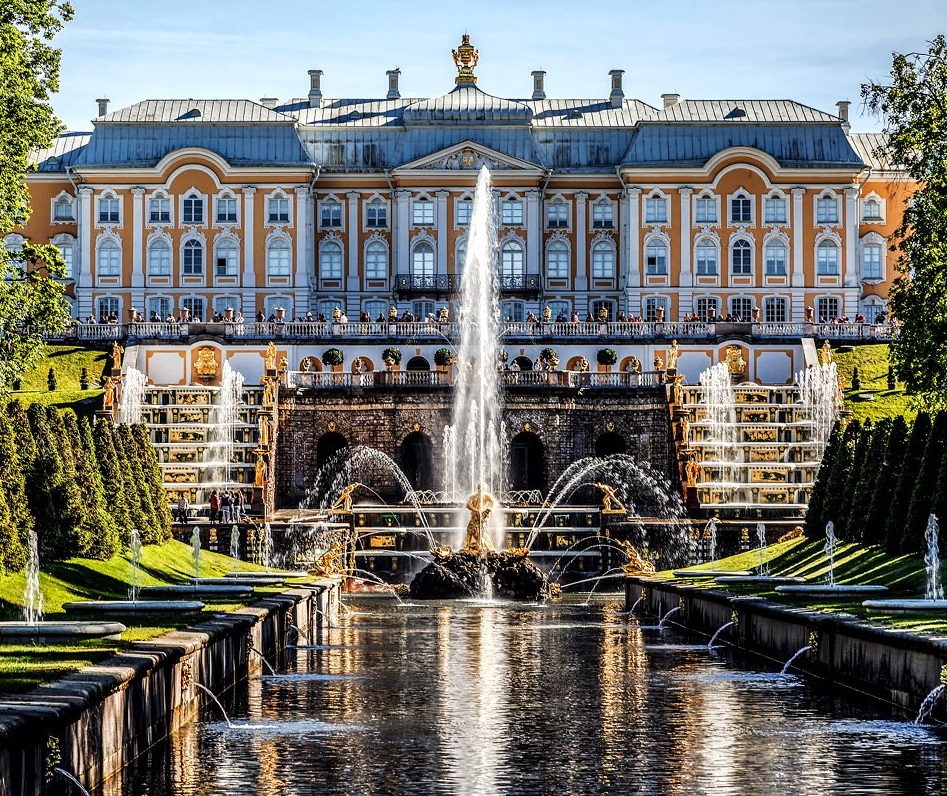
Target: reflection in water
[[463, 698]]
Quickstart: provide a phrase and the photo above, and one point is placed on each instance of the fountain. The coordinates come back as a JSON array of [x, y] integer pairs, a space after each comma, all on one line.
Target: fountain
[[934, 596], [703, 570], [71, 779], [133, 396], [33, 627], [269, 577], [713, 638], [762, 577], [831, 588], [792, 659]]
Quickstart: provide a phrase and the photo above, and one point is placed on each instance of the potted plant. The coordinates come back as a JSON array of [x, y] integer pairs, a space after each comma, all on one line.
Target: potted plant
[[550, 357], [391, 357], [333, 357], [443, 357], [606, 357]]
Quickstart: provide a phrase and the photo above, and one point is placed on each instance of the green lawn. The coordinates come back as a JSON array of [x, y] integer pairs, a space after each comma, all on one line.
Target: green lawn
[[67, 361], [872, 364]]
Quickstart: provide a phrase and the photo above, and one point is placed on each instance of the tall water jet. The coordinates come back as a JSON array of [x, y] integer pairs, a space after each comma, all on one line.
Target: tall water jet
[[235, 542], [224, 416], [719, 405], [761, 538], [819, 395], [32, 592], [830, 542], [133, 396], [935, 587], [196, 551], [134, 552]]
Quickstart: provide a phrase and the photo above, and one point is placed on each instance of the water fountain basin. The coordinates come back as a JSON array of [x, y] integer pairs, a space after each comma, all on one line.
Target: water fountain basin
[[826, 590], [133, 606], [193, 591], [272, 573], [757, 579], [53, 632], [247, 580], [918, 606], [710, 573]]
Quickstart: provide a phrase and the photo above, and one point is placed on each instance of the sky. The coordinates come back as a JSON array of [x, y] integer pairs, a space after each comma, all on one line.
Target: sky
[[813, 51]]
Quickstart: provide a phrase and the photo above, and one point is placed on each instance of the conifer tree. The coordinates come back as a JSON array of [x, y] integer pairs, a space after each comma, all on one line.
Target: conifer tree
[[852, 478], [859, 525], [838, 477], [922, 496], [22, 433], [887, 484], [113, 479], [814, 527], [15, 518], [136, 490], [939, 506], [901, 500], [152, 471]]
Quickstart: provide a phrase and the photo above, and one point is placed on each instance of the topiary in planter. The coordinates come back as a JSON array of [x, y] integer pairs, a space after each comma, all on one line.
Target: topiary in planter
[[443, 357], [394, 354], [856, 379], [606, 356], [51, 380], [332, 357], [84, 379]]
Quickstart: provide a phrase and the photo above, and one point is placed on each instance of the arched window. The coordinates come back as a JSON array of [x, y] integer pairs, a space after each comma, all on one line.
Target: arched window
[[109, 260], [376, 261], [226, 258], [741, 258], [159, 258], [376, 214], [330, 261], [192, 263], [656, 257], [278, 259], [872, 210], [63, 209], [827, 258], [705, 257], [603, 261], [422, 260], [511, 260], [557, 260], [775, 253]]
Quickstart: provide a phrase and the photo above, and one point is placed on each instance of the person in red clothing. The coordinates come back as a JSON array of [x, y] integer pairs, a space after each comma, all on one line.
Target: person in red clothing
[[214, 505]]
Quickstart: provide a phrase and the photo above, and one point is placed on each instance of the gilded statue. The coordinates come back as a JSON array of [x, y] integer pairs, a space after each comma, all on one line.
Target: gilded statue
[[635, 563], [826, 353], [692, 470], [269, 358], [331, 562], [117, 352], [306, 365], [264, 424], [466, 58], [259, 475], [269, 392], [633, 365], [673, 353], [283, 364], [110, 383], [610, 502], [443, 314], [343, 504], [478, 539], [736, 364], [206, 364], [658, 362]]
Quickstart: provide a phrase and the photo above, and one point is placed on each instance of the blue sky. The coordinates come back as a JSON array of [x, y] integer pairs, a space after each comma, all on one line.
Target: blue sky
[[813, 51]]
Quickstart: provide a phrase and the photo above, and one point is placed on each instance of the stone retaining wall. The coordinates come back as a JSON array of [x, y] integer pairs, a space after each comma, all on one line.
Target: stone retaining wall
[[101, 718], [897, 666]]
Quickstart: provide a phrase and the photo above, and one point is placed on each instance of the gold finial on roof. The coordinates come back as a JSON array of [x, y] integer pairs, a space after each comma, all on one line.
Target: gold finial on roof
[[465, 59]]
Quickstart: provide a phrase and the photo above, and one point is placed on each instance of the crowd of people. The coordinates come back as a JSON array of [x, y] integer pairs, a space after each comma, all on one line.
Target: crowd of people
[[224, 506]]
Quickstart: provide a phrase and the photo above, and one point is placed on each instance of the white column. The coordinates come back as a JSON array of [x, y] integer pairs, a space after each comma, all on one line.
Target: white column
[[581, 245], [442, 236], [84, 252], [402, 263], [686, 278], [534, 237], [303, 249], [851, 252], [138, 235], [354, 280], [249, 272], [798, 225], [632, 266]]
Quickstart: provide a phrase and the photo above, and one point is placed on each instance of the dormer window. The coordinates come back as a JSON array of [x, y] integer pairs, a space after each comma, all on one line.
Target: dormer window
[[192, 210], [603, 215], [422, 213], [63, 209], [331, 213], [109, 210], [655, 210], [511, 213], [159, 210], [278, 210]]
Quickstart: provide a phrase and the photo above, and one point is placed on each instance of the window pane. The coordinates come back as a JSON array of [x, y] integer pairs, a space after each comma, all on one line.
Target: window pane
[[512, 213], [827, 259], [656, 258], [827, 210], [464, 209], [226, 259], [557, 262], [159, 259], [871, 261], [557, 215], [330, 261], [278, 259], [741, 309], [775, 259], [376, 262], [775, 310], [511, 260], [741, 210], [422, 214], [331, 214], [193, 263], [602, 216], [775, 210], [422, 260], [706, 257], [741, 258], [706, 210], [377, 215]]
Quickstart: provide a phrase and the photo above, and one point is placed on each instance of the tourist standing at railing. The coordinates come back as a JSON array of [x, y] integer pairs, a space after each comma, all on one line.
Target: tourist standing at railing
[[182, 510], [226, 504], [214, 505]]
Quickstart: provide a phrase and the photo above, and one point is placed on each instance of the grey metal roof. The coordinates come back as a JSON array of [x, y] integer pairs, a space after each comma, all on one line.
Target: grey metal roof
[[587, 113], [467, 104], [792, 145], [348, 112], [194, 110], [742, 111], [869, 147], [583, 150], [64, 152]]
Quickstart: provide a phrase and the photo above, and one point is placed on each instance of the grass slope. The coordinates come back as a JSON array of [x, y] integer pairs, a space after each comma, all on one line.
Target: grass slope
[[67, 361], [872, 363]]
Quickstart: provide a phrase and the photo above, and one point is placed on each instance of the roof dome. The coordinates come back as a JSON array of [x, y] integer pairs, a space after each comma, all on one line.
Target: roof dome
[[467, 104]]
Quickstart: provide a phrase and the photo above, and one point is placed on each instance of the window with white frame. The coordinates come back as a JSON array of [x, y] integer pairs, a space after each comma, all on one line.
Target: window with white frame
[[278, 259], [330, 214], [422, 260], [557, 215], [705, 257], [195, 306], [227, 209], [330, 261], [656, 210], [274, 303], [159, 209], [741, 258], [741, 209], [225, 258], [559, 310], [460, 258], [68, 252], [192, 209], [326, 307], [376, 261], [827, 309], [557, 260], [423, 309], [224, 303], [513, 311], [651, 307], [376, 308], [13, 243], [774, 210], [603, 304], [826, 210], [277, 210], [603, 260], [109, 307], [741, 309], [422, 213], [64, 209], [827, 259], [656, 258], [871, 210], [511, 213], [376, 214], [603, 215], [707, 309], [159, 307], [512, 261], [872, 310], [109, 209], [192, 258], [872, 254], [463, 208], [774, 253], [705, 210], [109, 259], [774, 310], [159, 258]]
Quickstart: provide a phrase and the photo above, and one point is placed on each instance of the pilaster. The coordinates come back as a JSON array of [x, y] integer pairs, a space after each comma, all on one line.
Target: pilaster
[[581, 242], [533, 233], [138, 246], [84, 251], [686, 278], [441, 220], [354, 281], [249, 268], [631, 266], [303, 248], [402, 262]]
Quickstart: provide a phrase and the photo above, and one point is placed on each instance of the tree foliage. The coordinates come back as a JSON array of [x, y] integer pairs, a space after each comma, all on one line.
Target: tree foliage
[[913, 106], [815, 528]]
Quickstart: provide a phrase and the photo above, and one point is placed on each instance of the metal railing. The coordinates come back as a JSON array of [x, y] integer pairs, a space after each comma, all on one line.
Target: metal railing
[[438, 378]]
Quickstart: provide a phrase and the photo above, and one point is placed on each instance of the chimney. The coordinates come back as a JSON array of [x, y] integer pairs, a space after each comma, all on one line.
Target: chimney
[[670, 100], [843, 114], [539, 84], [269, 102], [103, 106], [315, 88], [394, 92], [617, 94]]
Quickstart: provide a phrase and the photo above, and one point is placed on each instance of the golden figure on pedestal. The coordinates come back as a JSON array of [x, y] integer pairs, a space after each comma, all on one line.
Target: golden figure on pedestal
[[269, 358], [635, 563], [673, 353], [206, 364], [343, 505], [610, 502], [117, 352], [736, 364], [478, 539]]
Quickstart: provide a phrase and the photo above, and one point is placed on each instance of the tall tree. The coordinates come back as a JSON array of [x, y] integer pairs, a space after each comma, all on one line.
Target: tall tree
[[31, 300], [159, 498], [113, 477], [859, 525], [922, 496], [814, 527], [135, 496], [838, 476], [860, 465], [15, 518], [886, 485], [913, 104], [901, 499]]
